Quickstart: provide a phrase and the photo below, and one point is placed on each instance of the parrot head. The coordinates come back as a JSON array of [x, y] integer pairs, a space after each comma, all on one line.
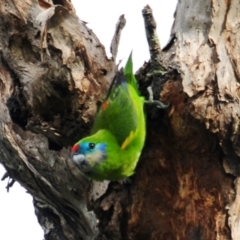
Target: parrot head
[[87, 154], [91, 154]]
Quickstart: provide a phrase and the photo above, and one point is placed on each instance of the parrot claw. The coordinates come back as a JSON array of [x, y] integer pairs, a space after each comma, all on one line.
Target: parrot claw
[[157, 103], [125, 181]]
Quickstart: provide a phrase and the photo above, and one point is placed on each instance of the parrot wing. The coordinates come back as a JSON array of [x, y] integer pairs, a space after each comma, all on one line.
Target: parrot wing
[[117, 113]]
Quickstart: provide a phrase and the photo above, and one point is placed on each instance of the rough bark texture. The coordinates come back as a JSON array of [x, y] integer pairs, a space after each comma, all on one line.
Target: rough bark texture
[[54, 72]]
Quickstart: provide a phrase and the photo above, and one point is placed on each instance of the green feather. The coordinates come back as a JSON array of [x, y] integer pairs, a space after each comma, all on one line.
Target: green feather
[[128, 72]]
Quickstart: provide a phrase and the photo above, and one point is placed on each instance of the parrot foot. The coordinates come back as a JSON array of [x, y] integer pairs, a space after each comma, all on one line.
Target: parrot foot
[[157, 103], [125, 181]]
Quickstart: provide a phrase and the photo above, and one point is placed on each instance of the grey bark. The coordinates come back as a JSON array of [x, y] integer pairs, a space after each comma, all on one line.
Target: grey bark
[[53, 74], [53, 70]]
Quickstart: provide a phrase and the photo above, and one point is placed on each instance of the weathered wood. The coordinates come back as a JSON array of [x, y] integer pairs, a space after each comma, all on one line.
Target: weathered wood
[[53, 73], [182, 188]]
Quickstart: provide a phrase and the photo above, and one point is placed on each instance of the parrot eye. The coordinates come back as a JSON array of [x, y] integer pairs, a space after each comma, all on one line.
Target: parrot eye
[[91, 145]]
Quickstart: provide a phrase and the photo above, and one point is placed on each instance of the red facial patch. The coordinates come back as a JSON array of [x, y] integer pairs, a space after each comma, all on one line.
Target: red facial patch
[[75, 148], [105, 105]]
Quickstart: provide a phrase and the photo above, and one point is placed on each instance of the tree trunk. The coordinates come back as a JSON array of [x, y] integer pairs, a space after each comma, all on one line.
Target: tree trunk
[[53, 74]]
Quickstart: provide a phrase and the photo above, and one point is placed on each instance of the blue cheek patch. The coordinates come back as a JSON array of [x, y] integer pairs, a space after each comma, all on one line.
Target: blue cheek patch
[[83, 148], [102, 147]]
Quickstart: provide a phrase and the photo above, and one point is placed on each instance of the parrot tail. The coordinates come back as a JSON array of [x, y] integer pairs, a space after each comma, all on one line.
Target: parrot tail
[[128, 72]]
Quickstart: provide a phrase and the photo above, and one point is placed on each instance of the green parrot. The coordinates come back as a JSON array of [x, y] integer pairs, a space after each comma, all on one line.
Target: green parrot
[[113, 149]]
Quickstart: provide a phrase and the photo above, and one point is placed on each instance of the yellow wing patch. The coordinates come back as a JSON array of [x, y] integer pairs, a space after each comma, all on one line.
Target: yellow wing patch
[[129, 139]]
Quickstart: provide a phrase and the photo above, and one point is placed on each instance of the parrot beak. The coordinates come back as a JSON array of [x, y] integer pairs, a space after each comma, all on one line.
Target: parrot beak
[[81, 162], [78, 159]]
